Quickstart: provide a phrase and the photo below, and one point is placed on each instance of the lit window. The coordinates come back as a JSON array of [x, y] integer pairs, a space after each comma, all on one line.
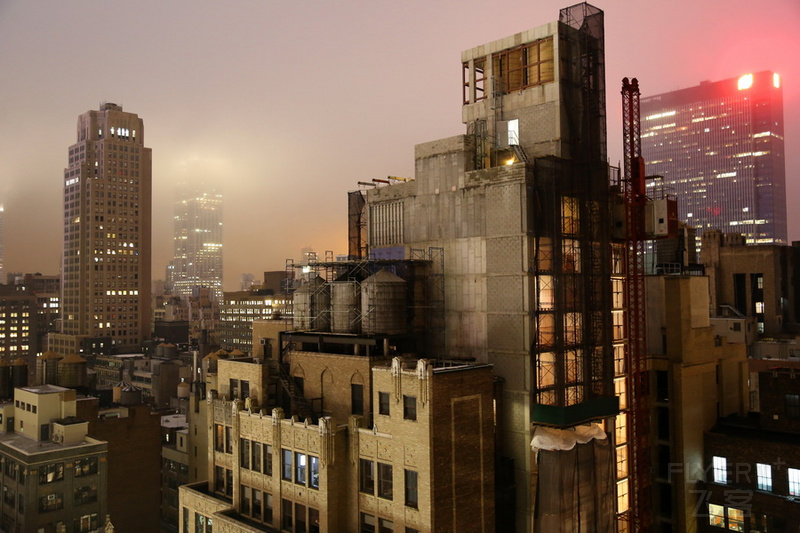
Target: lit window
[[764, 476], [794, 482], [300, 468], [720, 470], [716, 515], [735, 519]]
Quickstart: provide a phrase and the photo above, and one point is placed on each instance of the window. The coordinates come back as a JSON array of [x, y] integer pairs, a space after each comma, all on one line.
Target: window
[[313, 520], [385, 481], [299, 518], [300, 468], [313, 480], [286, 464], [245, 501], [51, 502], [385, 526], [185, 520], [199, 523], [366, 476], [357, 398], [720, 469], [85, 466], [367, 523], [792, 405], [525, 66], [256, 504], [234, 389], [716, 516], [51, 472], [794, 482], [255, 462], [228, 439], [735, 519], [85, 494], [412, 482], [244, 453], [86, 523], [286, 514], [383, 403], [219, 437], [409, 407], [764, 476], [267, 508], [268, 459]]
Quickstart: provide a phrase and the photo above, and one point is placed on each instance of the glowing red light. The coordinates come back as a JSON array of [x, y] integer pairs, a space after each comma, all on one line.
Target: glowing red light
[[745, 82]]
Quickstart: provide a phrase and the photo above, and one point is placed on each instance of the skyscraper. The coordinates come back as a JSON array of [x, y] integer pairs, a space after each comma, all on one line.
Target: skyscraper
[[198, 244], [719, 147], [2, 231], [107, 224]]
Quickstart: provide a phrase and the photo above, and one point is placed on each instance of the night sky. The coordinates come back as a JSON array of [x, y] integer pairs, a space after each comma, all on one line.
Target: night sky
[[286, 105]]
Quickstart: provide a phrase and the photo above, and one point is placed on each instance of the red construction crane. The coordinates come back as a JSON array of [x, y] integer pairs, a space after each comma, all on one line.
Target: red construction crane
[[639, 489]]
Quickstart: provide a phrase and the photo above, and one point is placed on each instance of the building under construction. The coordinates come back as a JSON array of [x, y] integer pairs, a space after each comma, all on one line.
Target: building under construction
[[521, 207]]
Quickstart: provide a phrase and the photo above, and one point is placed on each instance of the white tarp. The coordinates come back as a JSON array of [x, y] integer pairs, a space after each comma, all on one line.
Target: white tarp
[[565, 439]]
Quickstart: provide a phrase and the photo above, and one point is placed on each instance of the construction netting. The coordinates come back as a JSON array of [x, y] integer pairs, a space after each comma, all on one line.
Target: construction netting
[[576, 489]]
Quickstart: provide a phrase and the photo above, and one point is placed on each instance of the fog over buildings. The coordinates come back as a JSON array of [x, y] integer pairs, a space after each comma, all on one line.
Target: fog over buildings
[[291, 104]]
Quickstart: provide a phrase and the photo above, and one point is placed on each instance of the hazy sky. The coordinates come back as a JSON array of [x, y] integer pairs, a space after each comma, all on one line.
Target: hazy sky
[[288, 104]]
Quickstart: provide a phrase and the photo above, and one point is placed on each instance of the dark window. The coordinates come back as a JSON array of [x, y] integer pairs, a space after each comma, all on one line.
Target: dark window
[[267, 508], [268, 459], [385, 481], [286, 514], [367, 523], [234, 388], [228, 439], [219, 479], [412, 482], [385, 526], [366, 472], [300, 518], [357, 399], [313, 520], [244, 453], [255, 462], [245, 389], [86, 494], [286, 465], [51, 502], [245, 502], [793, 405], [383, 403], [409, 407], [256, 504], [228, 482]]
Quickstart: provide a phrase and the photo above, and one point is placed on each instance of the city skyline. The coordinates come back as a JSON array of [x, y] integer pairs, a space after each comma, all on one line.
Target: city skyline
[[260, 98]]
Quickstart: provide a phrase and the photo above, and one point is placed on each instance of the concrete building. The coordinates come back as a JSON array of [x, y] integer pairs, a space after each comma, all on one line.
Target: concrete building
[[519, 206], [696, 376], [719, 148], [107, 233], [198, 245], [54, 476], [757, 281], [424, 463]]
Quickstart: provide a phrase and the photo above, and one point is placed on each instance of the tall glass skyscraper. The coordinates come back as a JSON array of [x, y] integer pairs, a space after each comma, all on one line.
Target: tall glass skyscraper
[[719, 148], [198, 244]]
